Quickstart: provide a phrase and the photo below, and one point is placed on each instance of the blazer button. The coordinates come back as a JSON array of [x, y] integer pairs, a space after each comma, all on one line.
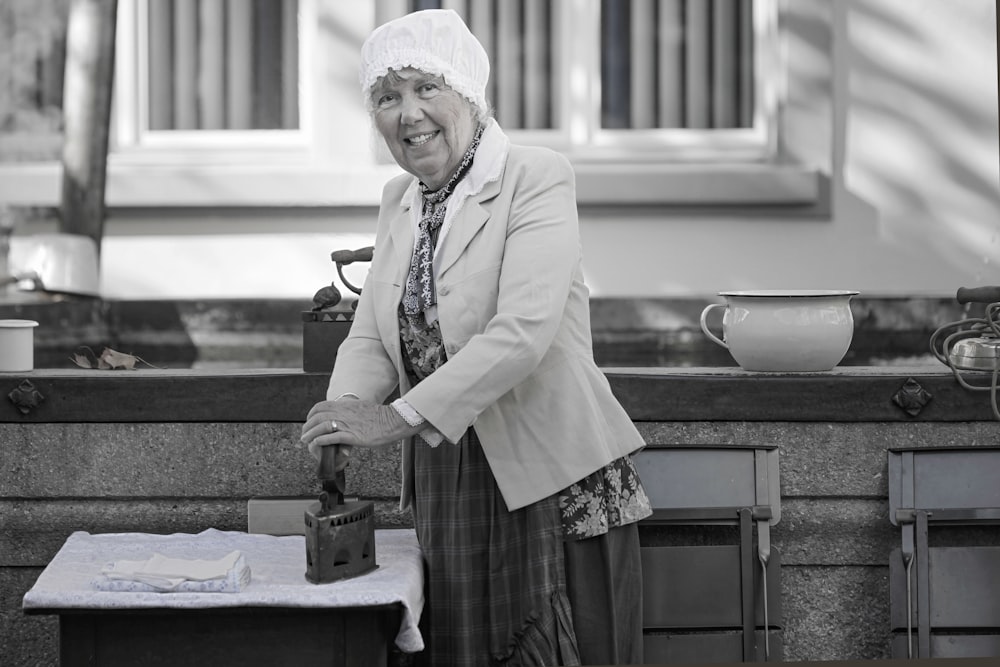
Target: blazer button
[[443, 291]]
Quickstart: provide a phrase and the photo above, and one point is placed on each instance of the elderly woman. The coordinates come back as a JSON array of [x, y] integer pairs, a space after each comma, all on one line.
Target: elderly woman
[[515, 454]]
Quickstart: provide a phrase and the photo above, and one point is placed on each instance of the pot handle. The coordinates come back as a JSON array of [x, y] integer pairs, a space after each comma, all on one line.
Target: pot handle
[[704, 324]]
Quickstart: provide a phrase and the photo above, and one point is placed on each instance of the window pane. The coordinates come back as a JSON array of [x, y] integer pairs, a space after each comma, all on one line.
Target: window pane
[[223, 64], [615, 64], [676, 64]]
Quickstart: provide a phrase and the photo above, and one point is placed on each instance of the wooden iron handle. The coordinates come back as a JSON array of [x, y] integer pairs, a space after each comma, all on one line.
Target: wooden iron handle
[[989, 294]]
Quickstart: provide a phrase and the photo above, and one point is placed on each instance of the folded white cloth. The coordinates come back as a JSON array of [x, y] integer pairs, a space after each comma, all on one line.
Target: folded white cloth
[[228, 574]]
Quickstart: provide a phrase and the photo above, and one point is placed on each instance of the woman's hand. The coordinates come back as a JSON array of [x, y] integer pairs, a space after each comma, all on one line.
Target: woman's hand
[[355, 423]]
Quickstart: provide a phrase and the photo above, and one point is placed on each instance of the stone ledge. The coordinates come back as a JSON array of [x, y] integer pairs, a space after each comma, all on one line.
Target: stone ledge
[[845, 394]]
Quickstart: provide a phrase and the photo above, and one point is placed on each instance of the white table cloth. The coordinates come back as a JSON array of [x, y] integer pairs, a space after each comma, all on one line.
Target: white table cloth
[[277, 566]]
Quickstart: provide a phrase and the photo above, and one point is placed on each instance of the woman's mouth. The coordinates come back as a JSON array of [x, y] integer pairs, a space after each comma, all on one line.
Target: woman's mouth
[[419, 139]]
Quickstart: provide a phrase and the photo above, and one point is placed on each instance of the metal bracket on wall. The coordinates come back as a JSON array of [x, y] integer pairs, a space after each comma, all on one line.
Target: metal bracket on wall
[[911, 397], [25, 397]]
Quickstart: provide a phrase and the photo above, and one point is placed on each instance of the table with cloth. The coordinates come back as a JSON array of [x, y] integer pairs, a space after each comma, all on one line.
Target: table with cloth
[[276, 618]]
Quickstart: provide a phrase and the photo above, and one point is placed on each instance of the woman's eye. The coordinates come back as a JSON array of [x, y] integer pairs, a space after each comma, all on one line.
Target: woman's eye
[[429, 88], [385, 100]]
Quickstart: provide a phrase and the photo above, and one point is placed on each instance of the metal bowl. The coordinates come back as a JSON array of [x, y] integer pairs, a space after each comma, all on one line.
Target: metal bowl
[[976, 354]]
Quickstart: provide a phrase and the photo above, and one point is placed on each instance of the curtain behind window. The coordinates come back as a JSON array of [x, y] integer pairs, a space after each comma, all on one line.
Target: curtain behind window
[[223, 64], [663, 63]]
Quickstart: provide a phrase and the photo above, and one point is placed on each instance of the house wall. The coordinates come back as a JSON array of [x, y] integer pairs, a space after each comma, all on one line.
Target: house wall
[[912, 161], [893, 101]]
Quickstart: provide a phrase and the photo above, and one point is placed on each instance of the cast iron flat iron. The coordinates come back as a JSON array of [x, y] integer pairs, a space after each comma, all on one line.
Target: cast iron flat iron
[[340, 535]]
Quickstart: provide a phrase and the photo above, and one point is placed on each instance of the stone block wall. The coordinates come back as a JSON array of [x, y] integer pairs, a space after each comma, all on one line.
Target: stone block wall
[[155, 460]]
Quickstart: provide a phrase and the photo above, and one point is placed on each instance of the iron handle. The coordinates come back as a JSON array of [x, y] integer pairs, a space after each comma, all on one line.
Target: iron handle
[[333, 480], [346, 257], [989, 294]]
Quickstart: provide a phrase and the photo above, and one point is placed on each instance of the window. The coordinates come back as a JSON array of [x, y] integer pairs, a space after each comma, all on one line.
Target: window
[[221, 65], [677, 64], [256, 102], [186, 69], [211, 81]]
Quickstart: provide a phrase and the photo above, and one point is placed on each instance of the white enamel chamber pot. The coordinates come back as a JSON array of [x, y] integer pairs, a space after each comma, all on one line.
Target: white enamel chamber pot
[[798, 330], [17, 345]]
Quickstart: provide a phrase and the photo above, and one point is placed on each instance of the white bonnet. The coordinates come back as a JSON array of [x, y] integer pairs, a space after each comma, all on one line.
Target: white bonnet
[[435, 41]]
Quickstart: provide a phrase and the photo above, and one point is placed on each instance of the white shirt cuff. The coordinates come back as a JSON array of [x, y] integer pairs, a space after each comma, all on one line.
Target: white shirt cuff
[[430, 435]]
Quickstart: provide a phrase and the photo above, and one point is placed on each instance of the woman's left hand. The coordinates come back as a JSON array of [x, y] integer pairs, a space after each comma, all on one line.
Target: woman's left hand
[[359, 423]]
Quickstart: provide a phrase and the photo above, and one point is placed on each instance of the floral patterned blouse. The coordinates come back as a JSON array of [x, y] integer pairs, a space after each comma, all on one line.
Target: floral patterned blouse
[[610, 497]]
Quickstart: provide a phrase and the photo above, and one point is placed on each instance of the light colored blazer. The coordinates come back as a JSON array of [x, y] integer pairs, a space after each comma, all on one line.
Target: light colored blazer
[[515, 318]]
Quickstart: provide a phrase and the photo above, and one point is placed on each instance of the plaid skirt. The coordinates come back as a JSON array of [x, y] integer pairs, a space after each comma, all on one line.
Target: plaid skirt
[[495, 579]]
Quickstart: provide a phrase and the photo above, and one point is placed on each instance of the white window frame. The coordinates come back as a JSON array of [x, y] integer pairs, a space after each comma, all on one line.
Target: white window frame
[[319, 164], [577, 69], [132, 142], [685, 167]]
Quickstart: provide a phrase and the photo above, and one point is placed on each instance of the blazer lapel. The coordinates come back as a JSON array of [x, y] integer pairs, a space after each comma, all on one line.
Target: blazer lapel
[[466, 224]]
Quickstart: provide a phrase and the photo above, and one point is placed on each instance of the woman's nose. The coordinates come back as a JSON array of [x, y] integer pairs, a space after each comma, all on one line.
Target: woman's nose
[[411, 110]]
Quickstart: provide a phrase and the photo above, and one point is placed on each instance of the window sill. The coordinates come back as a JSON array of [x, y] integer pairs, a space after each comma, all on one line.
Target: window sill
[[205, 186], [39, 184], [697, 185]]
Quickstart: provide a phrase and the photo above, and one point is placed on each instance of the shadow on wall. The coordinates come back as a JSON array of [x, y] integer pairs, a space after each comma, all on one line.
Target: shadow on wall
[[907, 89]]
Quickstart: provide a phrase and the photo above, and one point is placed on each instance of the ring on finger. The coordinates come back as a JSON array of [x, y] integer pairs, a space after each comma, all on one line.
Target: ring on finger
[[333, 426]]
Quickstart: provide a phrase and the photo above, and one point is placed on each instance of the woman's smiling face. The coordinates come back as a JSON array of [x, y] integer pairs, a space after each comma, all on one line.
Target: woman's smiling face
[[426, 125]]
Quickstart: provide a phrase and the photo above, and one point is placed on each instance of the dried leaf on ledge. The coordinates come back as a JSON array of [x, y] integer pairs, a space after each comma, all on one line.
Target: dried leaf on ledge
[[109, 360]]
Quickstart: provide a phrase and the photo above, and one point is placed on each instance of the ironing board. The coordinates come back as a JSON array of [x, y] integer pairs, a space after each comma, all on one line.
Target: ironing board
[[279, 618]]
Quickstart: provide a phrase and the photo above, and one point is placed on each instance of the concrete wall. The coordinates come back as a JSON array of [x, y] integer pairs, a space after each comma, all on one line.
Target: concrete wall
[[834, 535]]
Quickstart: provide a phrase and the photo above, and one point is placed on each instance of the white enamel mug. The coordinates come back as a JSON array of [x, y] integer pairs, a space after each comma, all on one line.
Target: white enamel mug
[[17, 345]]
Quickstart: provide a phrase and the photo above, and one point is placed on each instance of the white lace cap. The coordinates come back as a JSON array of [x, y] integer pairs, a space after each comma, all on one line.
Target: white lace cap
[[435, 41]]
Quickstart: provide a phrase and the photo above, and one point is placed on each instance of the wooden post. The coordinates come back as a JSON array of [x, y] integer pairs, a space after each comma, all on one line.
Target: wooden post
[[90, 57]]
